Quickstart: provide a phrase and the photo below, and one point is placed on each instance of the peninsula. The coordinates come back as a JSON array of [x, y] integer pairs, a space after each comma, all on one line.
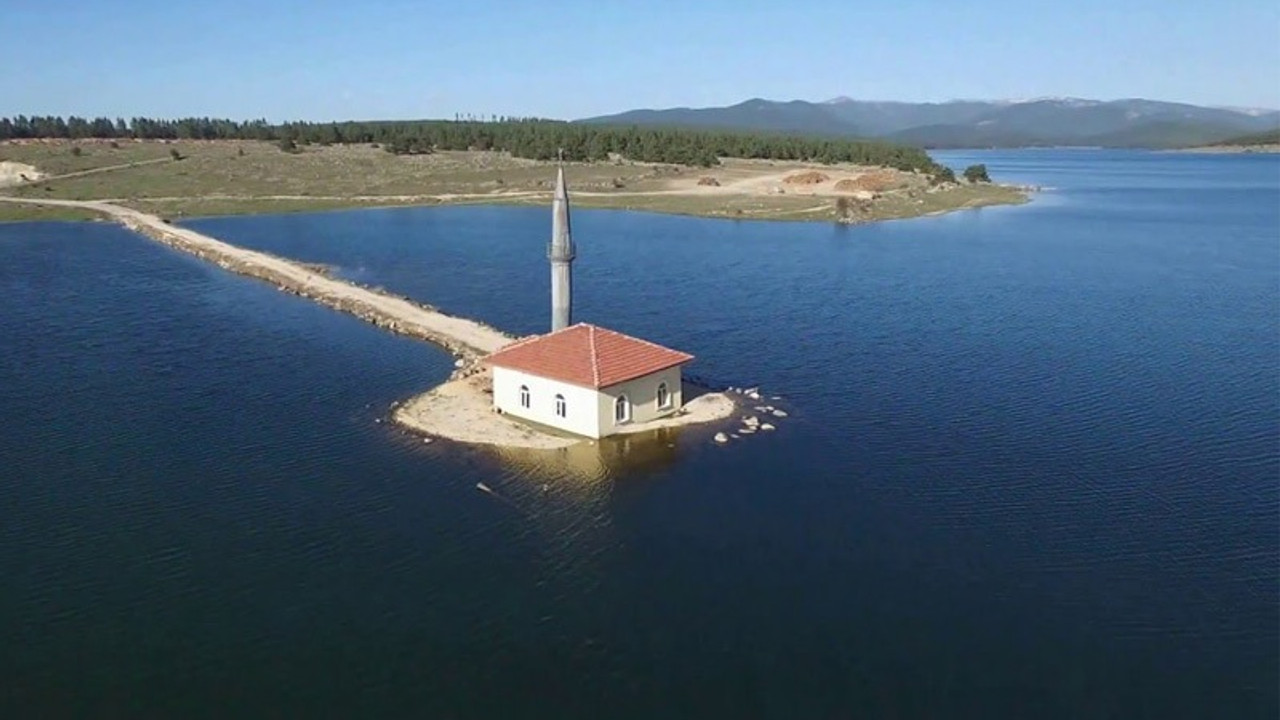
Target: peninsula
[[1264, 142], [729, 175]]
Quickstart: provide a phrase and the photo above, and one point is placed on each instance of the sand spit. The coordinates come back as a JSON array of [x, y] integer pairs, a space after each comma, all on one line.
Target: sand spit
[[460, 409], [464, 338]]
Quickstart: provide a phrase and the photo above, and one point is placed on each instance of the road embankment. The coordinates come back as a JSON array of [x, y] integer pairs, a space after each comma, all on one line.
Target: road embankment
[[464, 338]]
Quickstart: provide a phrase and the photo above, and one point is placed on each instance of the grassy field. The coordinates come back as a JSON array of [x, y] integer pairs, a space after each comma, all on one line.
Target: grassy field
[[234, 177], [56, 157], [13, 212]]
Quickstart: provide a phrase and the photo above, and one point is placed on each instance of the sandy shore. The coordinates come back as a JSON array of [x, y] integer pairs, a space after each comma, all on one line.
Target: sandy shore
[[1233, 149], [460, 409]]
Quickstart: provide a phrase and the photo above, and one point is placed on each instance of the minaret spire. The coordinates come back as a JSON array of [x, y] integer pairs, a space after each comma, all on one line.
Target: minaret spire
[[561, 253]]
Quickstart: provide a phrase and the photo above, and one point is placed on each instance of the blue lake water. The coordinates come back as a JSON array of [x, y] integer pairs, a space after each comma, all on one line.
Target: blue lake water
[[1030, 470]]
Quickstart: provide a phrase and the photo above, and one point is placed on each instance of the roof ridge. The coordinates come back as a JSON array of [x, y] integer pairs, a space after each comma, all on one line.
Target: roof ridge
[[530, 338], [595, 356], [639, 340]]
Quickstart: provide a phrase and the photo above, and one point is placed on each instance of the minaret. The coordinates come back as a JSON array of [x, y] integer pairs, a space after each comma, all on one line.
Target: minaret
[[561, 253]]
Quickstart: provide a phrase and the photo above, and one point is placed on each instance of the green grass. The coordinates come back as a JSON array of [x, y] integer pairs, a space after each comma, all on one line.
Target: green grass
[[14, 212], [219, 169]]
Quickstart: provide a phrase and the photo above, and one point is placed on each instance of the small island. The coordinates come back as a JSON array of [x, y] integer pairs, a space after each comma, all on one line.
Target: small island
[[203, 167]]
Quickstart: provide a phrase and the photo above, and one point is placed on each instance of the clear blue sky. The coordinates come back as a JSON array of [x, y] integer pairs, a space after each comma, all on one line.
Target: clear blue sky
[[373, 59]]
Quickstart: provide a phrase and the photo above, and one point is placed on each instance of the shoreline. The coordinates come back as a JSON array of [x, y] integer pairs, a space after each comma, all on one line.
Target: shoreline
[[457, 409], [1267, 149], [59, 210], [461, 337]]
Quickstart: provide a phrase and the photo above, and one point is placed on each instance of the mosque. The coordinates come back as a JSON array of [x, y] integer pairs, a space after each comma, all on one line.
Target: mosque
[[582, 378]]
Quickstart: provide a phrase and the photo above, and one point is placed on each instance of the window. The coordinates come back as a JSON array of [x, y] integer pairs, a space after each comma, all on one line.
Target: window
[[560, 405], [524, 396], [621, 409], [664, 397]]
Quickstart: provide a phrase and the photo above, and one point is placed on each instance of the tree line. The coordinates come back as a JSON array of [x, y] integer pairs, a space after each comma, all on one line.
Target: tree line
[[532, 138]]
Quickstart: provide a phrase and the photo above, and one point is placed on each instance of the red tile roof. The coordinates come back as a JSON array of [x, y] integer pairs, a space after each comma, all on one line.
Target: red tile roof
[[587, 355]]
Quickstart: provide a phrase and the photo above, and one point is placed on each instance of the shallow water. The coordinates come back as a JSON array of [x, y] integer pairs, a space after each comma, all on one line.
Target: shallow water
[[1030, 468]]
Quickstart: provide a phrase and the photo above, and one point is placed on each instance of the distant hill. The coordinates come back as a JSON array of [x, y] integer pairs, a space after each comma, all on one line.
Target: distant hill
[[795, 116], [973, 123]]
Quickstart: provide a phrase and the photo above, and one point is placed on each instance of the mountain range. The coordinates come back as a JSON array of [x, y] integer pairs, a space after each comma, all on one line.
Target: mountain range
[[977, 123]]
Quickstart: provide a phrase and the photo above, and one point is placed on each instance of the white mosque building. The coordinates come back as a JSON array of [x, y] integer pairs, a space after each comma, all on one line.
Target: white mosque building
[[581, 378]]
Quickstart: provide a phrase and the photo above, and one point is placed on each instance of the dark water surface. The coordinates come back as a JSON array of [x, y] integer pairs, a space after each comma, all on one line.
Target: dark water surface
[[1031, 468]]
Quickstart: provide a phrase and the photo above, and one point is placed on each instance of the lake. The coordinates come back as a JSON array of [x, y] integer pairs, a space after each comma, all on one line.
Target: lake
[[1030, 469]]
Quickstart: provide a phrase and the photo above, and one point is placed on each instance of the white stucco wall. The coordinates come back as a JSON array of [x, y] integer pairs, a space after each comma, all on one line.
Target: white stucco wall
[[643, 394], [587, 412], [581, 403]]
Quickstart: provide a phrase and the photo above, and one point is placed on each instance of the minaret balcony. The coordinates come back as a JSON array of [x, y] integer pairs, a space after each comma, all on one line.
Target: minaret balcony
[[561, 254]]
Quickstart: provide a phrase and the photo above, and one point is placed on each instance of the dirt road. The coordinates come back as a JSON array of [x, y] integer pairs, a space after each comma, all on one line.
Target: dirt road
[[465, 338]]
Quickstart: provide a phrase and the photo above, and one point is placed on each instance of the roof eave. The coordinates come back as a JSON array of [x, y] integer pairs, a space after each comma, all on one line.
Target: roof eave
[[589, 386]]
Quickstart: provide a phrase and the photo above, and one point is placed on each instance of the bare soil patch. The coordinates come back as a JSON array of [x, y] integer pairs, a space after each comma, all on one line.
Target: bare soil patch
[[16, 173], [811, 177], [873, 181]]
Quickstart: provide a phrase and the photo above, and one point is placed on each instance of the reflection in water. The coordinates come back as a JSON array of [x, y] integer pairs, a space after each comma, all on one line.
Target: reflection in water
[[588, 465], [565, 499]]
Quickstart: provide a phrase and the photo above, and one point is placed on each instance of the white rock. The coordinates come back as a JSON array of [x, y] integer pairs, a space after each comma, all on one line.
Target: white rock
[[761, 408], [426, 441], [766, 426], [721, 438], [753, 395], [753, 420], [779, 413], [747, 430], [459, 363]]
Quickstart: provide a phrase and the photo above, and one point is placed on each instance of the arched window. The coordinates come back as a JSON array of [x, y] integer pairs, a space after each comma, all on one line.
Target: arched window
[[664, 396], [621, 409], [524, 396], [560, 409]]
